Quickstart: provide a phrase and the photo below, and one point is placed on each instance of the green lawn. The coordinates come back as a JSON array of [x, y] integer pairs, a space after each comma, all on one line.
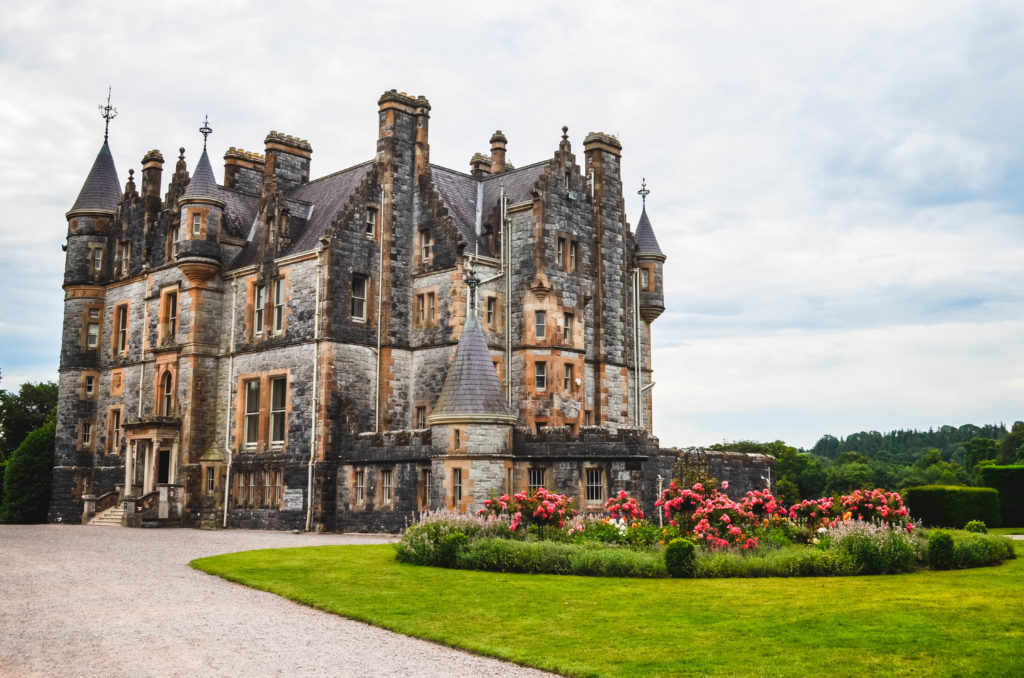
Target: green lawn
[[962, 623]]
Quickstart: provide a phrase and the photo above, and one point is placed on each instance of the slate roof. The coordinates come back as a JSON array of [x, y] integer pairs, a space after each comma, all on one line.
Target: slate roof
[[646, 243], [519, 184], [458, 191], [202, 184], [101, 190], [471, 386], [239, 212]]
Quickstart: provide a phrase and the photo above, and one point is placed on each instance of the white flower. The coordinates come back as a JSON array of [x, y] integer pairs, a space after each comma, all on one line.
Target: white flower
[[822, 530]]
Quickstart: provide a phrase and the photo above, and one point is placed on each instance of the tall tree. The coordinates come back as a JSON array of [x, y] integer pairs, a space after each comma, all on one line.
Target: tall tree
[[24, 412]]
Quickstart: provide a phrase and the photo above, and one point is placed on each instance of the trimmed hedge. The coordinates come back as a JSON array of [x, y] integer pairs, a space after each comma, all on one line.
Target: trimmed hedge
[[1009, 482], [953, 505], [680, 558]]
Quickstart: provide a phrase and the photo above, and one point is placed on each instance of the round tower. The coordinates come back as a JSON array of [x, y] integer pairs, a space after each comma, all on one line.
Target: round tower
[[651, 263], [201, 210]]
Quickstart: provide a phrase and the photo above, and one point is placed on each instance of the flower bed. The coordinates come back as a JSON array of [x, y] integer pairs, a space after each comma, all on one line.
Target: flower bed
[[865, 532]]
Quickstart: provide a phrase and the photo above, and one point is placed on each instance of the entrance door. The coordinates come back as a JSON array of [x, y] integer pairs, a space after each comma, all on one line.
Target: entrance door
[[163, 468]]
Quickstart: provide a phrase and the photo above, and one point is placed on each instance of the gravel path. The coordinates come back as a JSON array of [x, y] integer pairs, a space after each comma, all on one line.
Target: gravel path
[[108, 601]]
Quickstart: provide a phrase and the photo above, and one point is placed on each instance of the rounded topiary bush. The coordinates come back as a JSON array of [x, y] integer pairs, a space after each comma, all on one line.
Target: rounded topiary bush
[[681, 558], [976, 526], [940, 550]]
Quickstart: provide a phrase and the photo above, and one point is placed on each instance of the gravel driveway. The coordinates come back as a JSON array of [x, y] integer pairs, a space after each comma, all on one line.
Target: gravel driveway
[[109, 601]]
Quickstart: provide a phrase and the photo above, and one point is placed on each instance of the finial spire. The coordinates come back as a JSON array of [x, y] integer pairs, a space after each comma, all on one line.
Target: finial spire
[[472, 282], [108, 113], [205, 130], [643, 192]]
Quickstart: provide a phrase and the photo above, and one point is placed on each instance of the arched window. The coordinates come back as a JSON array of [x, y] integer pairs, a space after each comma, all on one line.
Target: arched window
[[167, 392]]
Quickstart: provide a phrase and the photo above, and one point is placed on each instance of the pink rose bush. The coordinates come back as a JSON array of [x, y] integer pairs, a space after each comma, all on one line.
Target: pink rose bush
[[713, 518], [623, 506], [876, 506], [542, 509]]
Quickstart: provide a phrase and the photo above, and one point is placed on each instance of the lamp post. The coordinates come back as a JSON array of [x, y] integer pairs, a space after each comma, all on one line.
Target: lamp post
[[660, 513]]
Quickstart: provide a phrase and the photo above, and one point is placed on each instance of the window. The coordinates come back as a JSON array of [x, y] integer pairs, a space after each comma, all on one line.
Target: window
[[560, 253], [90, 385], [426, 247], [252, 412], [385, 487], [492, 307], [114, 434], [86, 434], [421, 417], [458, 439], [421, 308], [540, 324], [457, 485], [595, 485], [125, 252], [569, 323], [251, 497], [172, 243], [277, 411], [97, 259], [167, 394], [278, 306], [508, 481], [268, 488], [425, 488], [574, 255], [536, 479], [92, 330], [541, 376], [567, 386], [587, 417], [197, 225], [259, 302], [360, 486], [172, 315], [371, 221], [359, 298], [278, 487], [431, 306], [210, 480], [121, 329]]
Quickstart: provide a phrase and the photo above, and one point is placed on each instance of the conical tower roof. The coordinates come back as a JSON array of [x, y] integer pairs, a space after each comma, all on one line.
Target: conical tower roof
[[202, 184], [471, 387], [101, 191], [646, 243]]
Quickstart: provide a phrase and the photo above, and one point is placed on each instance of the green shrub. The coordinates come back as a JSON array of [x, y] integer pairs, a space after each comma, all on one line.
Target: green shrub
[[794, 561], [680, 558], [544, 557], [450, 547], [976, 526], [873, 549], [940, 550], [971, 549], [422, 542], [953, 505], [27, 479], [1009, 482]]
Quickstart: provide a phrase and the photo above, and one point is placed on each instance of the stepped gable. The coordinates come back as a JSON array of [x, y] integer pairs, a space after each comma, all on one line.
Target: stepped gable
[[326, 196], [646, 243], [101, 190], [202, 184], [458, 191], [519, 184], [471, 386]]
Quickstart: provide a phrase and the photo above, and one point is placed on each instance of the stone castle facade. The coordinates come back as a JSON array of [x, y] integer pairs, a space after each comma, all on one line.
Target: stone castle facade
[[342, 353]]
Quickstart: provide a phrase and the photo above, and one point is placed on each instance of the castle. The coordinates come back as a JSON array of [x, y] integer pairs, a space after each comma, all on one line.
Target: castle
[[342, 353]]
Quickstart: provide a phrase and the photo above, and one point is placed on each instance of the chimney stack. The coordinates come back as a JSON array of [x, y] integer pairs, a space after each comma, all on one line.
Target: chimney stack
[[498, 145]]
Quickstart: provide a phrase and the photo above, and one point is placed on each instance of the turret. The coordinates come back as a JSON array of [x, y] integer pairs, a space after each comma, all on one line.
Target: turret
[[89, 221], [471, 423], [201, 210], [650, 262]]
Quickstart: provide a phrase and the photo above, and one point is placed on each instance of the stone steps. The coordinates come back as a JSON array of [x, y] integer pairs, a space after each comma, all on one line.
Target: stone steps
[[111, 517]]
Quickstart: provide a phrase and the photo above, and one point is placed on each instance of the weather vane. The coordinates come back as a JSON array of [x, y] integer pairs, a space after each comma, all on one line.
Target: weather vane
[[643, 192], [108, 113], [205, 130]]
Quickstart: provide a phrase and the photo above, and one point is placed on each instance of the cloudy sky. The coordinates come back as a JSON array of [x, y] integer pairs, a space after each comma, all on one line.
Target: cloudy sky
[[838, 185]]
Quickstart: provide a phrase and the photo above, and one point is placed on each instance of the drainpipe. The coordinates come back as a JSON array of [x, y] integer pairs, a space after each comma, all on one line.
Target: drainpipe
[[380, 312], [315, 402], [639, 419], [142, 349], [506, 264], [227, 410]]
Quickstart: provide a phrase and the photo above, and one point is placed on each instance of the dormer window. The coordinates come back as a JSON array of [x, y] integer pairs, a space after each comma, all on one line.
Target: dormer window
[[371, 222]]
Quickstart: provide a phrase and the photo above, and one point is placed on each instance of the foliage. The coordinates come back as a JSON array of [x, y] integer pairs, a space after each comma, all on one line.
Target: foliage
[[1009, 482], [919, 624], [874, 549], [624, 506], [971, 549], [940, 550], [715, 520], [24, 412], [976, 526], [542, 509], [1011, 450], [681, 558], [951, 506], [427, 541], [28, 477], [794, 561], [547, 557], [876, 506]]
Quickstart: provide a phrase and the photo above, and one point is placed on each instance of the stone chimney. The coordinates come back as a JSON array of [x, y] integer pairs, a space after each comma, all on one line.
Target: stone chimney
[[498, 144], [288, 158], [480, 166], [243, 170], [152, 174]]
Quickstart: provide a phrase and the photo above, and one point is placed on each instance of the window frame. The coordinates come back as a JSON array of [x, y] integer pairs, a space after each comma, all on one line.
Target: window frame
[[645, 279], [114, 430], [121, 329], [420, 421], [492, 310], [540, 376], [567, 377], [211, 480], [457, 486], [278, 412], [259, 302], [359, 486], [533, 474], [251, 417], [387, 492], [86, 434], [370, 222], [574, 256], [359, 281], [568, 327], [197, 225], [167, 394], [278, 304], [594, 490], [540, 325]]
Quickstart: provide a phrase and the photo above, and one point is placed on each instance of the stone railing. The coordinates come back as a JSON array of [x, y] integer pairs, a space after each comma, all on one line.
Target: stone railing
[[147, 501], [93, 504], [107, 500]]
